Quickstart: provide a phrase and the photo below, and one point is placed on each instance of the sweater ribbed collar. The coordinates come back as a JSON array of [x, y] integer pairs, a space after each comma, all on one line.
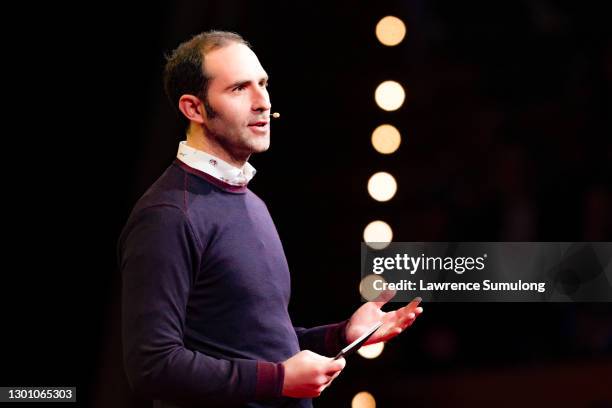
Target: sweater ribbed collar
[[215, 167]]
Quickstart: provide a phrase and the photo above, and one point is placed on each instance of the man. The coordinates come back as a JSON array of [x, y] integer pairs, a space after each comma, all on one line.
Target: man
[[205, 279]]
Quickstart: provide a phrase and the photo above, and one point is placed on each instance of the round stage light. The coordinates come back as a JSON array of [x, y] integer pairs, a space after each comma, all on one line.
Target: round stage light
[[377, 234], [389, 95], [386, 139], [390, 30], [371, 351], [363, 399], [382, 186]]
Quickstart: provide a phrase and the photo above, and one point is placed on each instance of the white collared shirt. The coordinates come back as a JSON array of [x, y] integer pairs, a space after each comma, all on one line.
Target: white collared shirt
[[214, 166]]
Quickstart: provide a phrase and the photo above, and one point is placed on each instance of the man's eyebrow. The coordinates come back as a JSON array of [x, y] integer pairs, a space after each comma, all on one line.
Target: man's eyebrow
[[243, 83], [238, 84]]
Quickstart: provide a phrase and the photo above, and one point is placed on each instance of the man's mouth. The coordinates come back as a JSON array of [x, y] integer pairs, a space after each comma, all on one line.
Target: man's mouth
[[260, 123]]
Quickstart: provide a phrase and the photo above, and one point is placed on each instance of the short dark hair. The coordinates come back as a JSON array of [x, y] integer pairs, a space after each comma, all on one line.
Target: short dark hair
[[185, 72]]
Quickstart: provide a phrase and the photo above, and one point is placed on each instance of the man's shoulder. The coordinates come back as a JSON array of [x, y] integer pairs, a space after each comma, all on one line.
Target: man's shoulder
[[161, 207], [176, 192], [252, 196], [167, 190]]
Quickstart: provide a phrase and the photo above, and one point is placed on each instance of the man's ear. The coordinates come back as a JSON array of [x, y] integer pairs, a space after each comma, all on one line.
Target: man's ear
[[192, 107]]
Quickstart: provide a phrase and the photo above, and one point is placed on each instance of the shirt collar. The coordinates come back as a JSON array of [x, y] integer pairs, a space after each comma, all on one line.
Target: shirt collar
[[214, 166]]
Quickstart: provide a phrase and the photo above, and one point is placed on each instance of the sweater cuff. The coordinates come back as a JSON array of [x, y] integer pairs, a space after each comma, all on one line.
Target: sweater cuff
[[270, 379], [335, 337]]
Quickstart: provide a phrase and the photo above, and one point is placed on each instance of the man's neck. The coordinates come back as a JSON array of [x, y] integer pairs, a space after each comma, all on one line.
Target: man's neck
[[199, 141]]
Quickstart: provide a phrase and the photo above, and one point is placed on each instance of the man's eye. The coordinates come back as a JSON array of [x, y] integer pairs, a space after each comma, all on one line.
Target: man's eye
[[239, 88]]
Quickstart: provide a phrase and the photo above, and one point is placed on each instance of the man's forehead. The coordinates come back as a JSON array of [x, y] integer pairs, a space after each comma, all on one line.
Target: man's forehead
[[232, 63]]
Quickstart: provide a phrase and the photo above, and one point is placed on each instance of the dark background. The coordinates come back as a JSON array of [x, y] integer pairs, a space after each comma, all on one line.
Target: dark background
[[505, 137]]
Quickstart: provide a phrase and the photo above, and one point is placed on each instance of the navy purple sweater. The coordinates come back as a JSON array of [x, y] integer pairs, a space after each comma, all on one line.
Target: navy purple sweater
[[205, 293]]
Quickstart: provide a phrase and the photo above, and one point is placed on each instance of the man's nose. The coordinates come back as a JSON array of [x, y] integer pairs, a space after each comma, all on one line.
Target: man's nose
[[261, 100]]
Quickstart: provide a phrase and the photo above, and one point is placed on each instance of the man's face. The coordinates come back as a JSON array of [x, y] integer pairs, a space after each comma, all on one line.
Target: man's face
[[238, 95]]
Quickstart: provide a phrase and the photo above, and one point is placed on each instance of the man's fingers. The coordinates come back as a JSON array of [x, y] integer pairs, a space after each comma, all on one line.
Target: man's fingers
[[413, 305], [411, 317], [410, 311], [399, 320], [388, 327], [392, 316], [331, 378], [405, 321], [336, 366], [340, 364]]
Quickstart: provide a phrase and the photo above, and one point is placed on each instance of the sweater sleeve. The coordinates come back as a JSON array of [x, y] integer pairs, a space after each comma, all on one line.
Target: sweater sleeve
[[158, 257], [326, 340]]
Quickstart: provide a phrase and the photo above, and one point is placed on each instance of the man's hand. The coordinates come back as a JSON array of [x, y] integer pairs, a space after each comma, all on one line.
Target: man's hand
[[394, 322], [307, 374]]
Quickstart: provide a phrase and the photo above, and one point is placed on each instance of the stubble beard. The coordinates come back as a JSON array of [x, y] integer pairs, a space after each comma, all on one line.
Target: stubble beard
[[239, 145]]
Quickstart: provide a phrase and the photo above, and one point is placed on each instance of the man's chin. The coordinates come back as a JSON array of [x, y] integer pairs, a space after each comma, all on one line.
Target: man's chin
[[260, 146]]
